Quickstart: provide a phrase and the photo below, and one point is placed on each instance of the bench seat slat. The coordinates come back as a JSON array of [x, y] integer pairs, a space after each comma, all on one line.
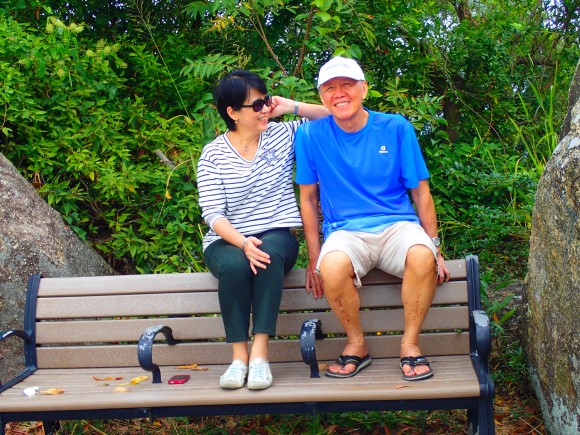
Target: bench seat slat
[[292, 384], [196, 328]]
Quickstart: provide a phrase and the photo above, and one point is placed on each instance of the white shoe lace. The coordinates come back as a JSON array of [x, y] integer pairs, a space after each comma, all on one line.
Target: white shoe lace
[[234, 371]]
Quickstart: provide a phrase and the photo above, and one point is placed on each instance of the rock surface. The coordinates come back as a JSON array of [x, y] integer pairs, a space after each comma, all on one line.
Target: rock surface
[[33, 239], [552, 286]]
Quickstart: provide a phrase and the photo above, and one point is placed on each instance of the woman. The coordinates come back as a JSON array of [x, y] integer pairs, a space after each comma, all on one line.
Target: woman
[[247, 199]]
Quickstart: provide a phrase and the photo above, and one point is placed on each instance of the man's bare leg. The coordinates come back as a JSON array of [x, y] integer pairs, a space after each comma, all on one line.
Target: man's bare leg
[[343, 298], [419, 283]]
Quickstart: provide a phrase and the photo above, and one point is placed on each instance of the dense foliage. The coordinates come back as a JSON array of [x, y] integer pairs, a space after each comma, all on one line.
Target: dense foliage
[[93, 93]]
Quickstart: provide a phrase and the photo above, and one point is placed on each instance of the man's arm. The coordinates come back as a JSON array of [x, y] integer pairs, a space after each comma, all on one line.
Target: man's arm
[[310, 222], [428, 218]]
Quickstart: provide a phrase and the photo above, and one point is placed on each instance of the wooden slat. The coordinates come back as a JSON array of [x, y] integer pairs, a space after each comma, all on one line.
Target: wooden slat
[[127, 284], [372, 296], [453, 377], [172, 304], [197, 328], [185, 282], [167, 304], [220, 352]]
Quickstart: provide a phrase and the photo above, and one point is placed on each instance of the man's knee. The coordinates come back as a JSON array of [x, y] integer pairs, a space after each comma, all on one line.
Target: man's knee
[[420, 259], [336, 266]]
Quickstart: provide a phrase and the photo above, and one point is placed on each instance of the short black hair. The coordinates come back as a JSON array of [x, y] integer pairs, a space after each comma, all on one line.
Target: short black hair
[[233, 90]]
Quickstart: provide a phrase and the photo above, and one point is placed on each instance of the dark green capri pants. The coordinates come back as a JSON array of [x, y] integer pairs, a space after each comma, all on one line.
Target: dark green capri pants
[[241, 292]]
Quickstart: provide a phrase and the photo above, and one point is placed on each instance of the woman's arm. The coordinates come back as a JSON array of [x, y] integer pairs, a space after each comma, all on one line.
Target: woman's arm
[[282, 106]]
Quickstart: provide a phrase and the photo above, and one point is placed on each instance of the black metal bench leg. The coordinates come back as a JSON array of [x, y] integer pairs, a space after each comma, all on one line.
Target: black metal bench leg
[[51, 427], [480, 421]]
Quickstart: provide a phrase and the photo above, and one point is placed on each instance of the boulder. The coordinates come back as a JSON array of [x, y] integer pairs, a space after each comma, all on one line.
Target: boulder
[[551, 297], [33, 239]]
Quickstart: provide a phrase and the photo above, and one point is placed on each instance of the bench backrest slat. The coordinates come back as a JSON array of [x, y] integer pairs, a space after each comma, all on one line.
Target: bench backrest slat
[[186, 282], [219, 353], [174, 304], [200, 328]]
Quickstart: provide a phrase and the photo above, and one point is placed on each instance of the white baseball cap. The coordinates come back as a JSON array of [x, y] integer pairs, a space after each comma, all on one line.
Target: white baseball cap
[[340, 67]]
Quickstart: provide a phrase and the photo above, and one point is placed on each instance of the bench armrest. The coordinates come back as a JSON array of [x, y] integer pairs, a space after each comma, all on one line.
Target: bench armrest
[[30, 368], [145, 349], [482, 329], [310, 332]]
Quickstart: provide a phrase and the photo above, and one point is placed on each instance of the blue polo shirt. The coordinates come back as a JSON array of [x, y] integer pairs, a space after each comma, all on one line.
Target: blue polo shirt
[[363, 176]]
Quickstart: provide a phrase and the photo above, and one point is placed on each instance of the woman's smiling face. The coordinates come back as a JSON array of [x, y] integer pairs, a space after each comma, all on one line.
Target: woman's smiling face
[[246, 118]]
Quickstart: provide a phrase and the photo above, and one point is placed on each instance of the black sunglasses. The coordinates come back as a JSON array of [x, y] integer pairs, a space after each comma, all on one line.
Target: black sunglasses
[[258, 104]]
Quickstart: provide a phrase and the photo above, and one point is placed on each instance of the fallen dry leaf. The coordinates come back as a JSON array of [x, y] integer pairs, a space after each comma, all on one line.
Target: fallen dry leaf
[[323, 366], [136, 380], [192, 367], [111, 378], [401, 386], [121, 390], [52, 391]]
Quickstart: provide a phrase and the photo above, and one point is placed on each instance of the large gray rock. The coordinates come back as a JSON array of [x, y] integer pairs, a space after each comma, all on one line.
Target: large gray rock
[[552, 286], [33, 239], [573, 96]]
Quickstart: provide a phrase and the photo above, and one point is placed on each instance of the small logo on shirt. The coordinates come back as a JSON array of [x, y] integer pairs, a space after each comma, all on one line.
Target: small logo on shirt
[[383, 150], [269, 156]]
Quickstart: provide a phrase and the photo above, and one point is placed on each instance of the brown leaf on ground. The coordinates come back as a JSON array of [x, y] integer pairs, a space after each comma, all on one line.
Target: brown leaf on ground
[[136, 380], [110, 378], [322, 366], [192, 367], [52, 391], [398, 387]]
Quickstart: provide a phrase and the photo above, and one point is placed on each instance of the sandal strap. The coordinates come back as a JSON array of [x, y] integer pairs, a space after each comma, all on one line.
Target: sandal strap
[[343, 360], [413, 361]]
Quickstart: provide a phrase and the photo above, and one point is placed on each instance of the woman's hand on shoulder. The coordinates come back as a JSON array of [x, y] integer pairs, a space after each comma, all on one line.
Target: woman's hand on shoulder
[[281, 106]]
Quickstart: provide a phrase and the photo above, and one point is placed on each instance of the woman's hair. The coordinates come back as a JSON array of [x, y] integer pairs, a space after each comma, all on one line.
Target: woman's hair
[[233, 90]]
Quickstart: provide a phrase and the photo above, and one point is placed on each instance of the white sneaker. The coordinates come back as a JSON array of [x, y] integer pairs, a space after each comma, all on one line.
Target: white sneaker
[[260, 376], [235, 375]]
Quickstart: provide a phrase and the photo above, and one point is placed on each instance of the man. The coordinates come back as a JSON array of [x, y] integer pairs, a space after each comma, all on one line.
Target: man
[[365, 163]]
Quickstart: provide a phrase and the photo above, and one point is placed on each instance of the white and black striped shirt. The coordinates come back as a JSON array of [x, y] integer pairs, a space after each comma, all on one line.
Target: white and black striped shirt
[[254, 195]]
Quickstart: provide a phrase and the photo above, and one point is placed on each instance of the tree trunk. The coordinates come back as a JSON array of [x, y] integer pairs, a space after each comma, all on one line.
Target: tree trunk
[[33, 239], [552, 287]]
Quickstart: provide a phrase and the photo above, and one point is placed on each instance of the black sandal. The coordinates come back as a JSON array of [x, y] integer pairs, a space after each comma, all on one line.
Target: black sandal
[[343, 360], [413, 361]]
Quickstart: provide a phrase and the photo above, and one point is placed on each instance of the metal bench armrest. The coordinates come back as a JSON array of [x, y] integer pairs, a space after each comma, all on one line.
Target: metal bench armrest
[[28, 341], [482, 329], [145, 349], [310, 332]]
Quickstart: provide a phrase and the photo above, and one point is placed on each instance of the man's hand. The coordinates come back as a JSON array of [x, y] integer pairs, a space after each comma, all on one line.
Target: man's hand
[[313, 281], [444, 275]]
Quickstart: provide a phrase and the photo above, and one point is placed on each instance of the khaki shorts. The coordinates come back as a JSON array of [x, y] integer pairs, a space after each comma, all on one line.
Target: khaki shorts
[[386, 250]]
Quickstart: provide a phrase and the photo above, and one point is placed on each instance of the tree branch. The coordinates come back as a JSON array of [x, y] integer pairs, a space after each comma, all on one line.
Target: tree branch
[[306, 36], [262, 34]]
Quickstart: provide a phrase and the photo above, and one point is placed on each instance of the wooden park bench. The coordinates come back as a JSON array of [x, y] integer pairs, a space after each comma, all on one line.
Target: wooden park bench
[[88, 338]]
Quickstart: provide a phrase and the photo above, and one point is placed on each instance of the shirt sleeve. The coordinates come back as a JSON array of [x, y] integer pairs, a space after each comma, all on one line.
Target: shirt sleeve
[[413, 167], [212, 198]]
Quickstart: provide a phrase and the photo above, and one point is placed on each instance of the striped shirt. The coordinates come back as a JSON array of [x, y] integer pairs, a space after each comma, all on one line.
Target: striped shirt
[[254, 195]]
